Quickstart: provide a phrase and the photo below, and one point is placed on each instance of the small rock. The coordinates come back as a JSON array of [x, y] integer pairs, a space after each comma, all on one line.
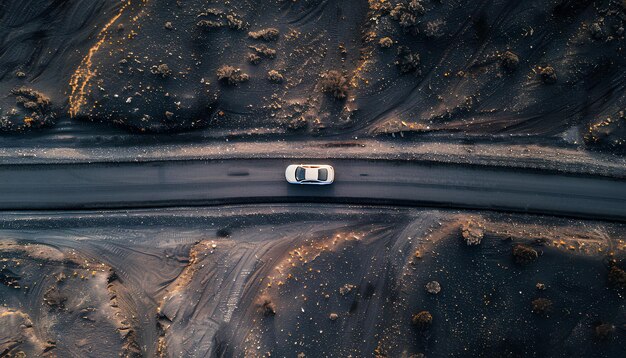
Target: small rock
[[540, 286], [20, 74], [169, 115], [433, 287], [333, 316], [168, 26]]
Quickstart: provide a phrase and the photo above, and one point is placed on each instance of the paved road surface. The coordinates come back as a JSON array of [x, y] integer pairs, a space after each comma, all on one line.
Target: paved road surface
[[160, 184]]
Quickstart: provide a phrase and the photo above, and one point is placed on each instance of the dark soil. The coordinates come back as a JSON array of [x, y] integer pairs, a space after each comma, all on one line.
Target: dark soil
[[312, 280], [545, 71]]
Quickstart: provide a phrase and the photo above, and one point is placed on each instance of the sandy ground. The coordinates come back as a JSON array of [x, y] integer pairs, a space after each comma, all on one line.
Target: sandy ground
[[482, 69], [316, 281]]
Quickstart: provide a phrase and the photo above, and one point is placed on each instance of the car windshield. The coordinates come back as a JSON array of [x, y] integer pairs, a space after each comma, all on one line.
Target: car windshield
[[300, 174], [322, 174]]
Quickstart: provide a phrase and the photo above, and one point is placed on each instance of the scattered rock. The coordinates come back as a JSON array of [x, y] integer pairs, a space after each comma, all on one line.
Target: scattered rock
[[385, 42], [333, 316], [541, 306], [422, 319], [333, 82], [540, 286], [407, 61], [168, 26], [433, 287], [346, 289], [20, 74], [169, 115], [524, 254], [510, 61], [269, 34], [274, 76], [472, 232], [548, 75], [231, 75]]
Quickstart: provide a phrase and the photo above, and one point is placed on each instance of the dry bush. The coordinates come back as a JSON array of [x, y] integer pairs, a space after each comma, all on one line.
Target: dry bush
[[231, 75], [269, 34], [274, 76], [617, 277], [541, 306], [548, 74], [162, 70], [385, 42], [524, 254], [510, 61], [407, 61], [422, 319], [335, 83]]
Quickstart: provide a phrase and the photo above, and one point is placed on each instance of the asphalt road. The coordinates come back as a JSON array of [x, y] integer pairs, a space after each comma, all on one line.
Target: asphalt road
[[188, 183]]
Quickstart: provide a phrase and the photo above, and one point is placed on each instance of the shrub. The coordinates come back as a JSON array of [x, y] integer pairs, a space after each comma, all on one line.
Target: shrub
[[407, 61], [385, 42], [509, 61], [231, 75], [333, 82], [422, 319], [524, 254], [269, 34]]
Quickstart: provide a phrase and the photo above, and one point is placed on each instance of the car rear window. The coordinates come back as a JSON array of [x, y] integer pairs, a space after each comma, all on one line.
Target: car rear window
[[322, 174]]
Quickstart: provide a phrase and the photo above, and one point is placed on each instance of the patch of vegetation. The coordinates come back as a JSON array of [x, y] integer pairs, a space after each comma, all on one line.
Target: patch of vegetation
[[162, 70], [407, 61], [541, 306], [509, 61], [335, 83], [385, 42], [422, 319], [231, 75], [617, 277], [264, 51], [269, 34], [407, 13], [548, 75], [275, 76], [524, 254]]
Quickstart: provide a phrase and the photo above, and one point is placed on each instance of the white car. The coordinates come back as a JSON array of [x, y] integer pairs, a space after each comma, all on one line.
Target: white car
[[316, 174]]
